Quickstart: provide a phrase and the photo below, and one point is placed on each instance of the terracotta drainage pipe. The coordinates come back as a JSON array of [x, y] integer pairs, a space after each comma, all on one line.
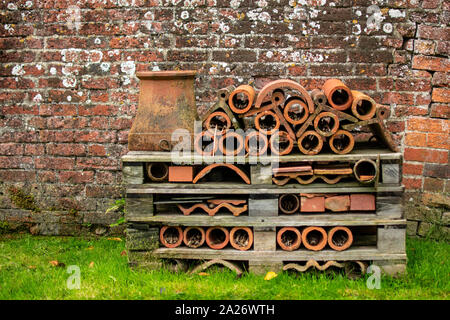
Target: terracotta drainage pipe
[[211, 147], [278, 97], [365, 170], [326, 123], [342, 142], [340, 238], [194, 237], [241, 99], [171, 237], [314, 238], [217, 237], [281, 143], [157, 171], [288, 203], [319, 97], [310, 142], [289, 238], [256, 143], [363, 106], [241, 238], [233, 148], [295, 111], [267, 122], [218, 122], [338, 94]]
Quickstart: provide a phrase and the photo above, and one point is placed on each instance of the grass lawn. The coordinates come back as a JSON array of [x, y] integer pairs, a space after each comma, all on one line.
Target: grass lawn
[[26, 273]]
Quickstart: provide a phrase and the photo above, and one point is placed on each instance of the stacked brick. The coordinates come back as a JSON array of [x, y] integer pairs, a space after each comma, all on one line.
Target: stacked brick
[[69, 93]]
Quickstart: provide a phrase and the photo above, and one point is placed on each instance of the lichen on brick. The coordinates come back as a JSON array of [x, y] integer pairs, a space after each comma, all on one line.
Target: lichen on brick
[[23, 200]]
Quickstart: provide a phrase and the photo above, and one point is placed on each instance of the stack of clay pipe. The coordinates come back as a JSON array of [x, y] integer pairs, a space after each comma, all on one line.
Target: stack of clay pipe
[[283, 114], [240, 238], [314, 238]]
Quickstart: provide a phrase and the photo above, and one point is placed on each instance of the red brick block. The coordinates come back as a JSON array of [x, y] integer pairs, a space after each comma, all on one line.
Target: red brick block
[[412, 183], [440, 111], [181, 173], [338, 203], [412, 169], [416, 139], [66, 149], [426, 125], [76, 177], [425, 155], [9, 149], [362, 202], [433, 184], [441, 95], [434, 33], [313, 204], [431, 63], [438, 140], [55, 163], [17, 175], [97, 150]]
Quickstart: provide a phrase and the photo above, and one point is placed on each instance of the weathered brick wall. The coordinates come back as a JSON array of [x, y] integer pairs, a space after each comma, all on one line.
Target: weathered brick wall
[[68, 91]]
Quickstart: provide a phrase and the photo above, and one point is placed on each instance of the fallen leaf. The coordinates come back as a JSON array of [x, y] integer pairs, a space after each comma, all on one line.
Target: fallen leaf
[[54, 263], [90, 248], [91, 265], [270, 275], [114, 239], [31, 267], [203, 274], [123, 253]]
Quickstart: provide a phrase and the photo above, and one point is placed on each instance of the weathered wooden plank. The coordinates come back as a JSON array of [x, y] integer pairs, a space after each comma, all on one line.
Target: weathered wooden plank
[[266, 207], [393, 268], [262, 267], [391, 239], [133, 173], [389, 207], [236, 188], [138, 206], [390, 172], [261, 174], [142, 239], [264, 239]]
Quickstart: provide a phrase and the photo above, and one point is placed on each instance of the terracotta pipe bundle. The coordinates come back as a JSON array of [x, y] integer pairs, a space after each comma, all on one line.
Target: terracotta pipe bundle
[[338, 94], [241, 100], [314, 238], [295, 111], [157, 171], [171, 237], [289, 203], [340, 238], [194, 237], [267, 122], [281, 143], [218, 123], [241, 238], [319, 97], [342, 142], [206, 144], [256, 143], [363, 106], [326, 124], [217, 237], [289, 238], [310, 142], [231, 143], [365, 170]]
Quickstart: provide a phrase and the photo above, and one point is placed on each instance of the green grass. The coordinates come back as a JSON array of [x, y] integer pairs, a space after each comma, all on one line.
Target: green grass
[[25, 273]]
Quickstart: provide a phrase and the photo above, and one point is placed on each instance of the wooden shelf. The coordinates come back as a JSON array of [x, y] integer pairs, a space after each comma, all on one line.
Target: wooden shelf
[[192, 158], [227, 220], [242, 188], [362, 253]]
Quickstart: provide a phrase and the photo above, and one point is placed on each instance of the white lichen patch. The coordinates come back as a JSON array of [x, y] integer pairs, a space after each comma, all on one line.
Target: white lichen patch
[[53, 71], [235, 4], [184, 15], [128, 67], [105, 66], [17, 70], [387, 27], [12, 6], [395, 13], [37, 98], [69, 82]]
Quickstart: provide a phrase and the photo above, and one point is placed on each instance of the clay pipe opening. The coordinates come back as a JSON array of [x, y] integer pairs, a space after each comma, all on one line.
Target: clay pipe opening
[[340, 238], [256, 143], [231, 143], [288, 203], [278, 97], [319, 97], [267, 122], [326, 124], [365, 170], [310, 142], [205, 144], [342, 142], [314, 238], [194, 237], [241, 99], [289, 238], [157, 171], [363, 106], [281, 143], [217, 237], [295, 111], [218, 122], [241, 238], [338, 94], [171, 237]]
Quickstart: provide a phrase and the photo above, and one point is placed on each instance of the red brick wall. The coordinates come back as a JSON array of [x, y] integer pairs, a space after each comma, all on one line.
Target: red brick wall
[[68, 91]]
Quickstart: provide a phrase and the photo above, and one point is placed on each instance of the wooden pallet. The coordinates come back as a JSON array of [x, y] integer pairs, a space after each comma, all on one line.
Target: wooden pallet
[[388, 250]]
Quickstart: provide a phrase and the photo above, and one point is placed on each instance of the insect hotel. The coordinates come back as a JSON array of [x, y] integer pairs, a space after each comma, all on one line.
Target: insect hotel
[[272, 180]]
